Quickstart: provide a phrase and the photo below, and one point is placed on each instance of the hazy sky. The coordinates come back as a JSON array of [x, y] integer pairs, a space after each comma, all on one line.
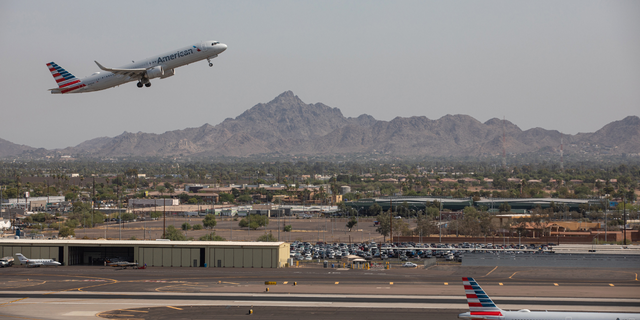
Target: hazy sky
[[572, 66]]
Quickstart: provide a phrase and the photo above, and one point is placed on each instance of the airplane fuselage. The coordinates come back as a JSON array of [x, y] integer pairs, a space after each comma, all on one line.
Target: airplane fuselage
[[554, 315], [160, 66]]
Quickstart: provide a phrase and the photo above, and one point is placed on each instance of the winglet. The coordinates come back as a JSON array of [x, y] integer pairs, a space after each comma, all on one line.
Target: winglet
[[100, 66]]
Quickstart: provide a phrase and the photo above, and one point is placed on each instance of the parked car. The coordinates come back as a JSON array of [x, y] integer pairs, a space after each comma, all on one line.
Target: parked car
[[409, 265]]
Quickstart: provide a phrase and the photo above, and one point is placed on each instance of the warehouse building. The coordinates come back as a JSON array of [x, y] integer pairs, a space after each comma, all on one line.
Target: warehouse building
[[212, 254]]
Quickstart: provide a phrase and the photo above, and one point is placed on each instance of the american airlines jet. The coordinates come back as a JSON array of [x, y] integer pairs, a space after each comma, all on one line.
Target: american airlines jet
[[36, 262], [160, 66], [482, 307]]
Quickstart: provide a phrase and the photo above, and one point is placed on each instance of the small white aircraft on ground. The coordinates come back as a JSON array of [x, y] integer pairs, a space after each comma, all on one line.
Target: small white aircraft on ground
[[161, 66], [37, 262]]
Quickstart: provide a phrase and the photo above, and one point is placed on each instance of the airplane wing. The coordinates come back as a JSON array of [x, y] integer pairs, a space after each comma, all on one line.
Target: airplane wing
[[126, 72]]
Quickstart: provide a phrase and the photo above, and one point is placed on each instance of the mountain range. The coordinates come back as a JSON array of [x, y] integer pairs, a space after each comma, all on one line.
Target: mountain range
[[288, 126]]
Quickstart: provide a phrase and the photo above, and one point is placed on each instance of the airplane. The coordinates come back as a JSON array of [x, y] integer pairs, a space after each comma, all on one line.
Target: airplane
[[482, 307], [36, 262], [161, 66], [121, 264]]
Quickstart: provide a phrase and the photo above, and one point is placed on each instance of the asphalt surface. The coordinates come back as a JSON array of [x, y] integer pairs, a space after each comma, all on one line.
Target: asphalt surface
[[277, 313], [309, 292]]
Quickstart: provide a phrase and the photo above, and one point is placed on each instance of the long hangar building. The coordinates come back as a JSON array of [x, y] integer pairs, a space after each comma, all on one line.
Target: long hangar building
[[212, 254]]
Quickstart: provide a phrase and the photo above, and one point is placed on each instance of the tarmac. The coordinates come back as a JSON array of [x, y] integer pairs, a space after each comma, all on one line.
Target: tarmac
[[309, 292]]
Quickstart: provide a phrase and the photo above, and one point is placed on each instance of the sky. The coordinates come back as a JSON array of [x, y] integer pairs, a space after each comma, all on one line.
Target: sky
[[572, 66]]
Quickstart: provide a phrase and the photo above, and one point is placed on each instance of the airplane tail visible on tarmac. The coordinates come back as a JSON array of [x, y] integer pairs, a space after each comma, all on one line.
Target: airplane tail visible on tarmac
[[66, 81], [480, 305], [22, 258]]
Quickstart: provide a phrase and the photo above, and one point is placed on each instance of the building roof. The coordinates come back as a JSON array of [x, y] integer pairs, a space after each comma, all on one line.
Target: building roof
[[163, 243]]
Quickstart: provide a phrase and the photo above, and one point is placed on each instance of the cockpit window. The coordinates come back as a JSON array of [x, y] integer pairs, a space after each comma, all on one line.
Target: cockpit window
[[213, 44]]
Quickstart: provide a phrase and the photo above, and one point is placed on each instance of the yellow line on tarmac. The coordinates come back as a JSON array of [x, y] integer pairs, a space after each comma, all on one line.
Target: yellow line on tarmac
[[446, 283], [494, 269], [337, 282], [2, 304], [500, 283], [513, 274], [611, 284], [555, 284], [174, 308], [16, 317]]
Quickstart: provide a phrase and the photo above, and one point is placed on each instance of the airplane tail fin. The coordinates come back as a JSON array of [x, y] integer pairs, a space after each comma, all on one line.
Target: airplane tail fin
[[21, 257], [67, 82], [479, 302]]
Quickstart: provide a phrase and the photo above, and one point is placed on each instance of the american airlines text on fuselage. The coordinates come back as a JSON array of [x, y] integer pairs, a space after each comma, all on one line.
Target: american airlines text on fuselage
[[176, 55]]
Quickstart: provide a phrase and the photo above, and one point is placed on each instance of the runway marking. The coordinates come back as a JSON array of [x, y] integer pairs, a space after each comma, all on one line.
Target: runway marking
[[513, 274], [446, 283], [391, 283], [611, 284], [337, 282], [494, 269], [16, 317], [231, 283], [174, 308], [134, 310], [500, 283], [285, 282], [555, 284], [2, 304]]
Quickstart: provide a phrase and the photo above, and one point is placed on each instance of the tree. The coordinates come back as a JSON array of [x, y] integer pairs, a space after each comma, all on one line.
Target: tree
[[384, 225], [505, 207], [352, 223], [426, 225], [186, 226], [212, 237], [209, 221], [267, 237], [287, 228], [174, 234], [155, 214], [197, 227], [227, 197], [66, 231], [254, 221]]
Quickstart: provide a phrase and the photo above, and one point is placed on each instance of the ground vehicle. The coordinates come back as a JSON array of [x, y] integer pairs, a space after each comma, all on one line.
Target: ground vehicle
[[6, 262], [409, 265]]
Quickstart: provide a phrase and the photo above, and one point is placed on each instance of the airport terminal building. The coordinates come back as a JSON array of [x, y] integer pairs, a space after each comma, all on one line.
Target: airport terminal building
[[211, 254]]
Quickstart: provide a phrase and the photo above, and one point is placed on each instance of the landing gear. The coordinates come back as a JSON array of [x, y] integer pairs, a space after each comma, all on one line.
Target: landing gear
[[148, 84], [210, 64], [139, 84]]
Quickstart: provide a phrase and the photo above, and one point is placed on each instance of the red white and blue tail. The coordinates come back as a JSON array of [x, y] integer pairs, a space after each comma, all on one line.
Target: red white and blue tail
[[66, 81], [480, 305]]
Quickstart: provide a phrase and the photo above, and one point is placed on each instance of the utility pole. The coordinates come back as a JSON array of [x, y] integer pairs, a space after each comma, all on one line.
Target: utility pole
[[164, 217], [93, 199], [624, 217]]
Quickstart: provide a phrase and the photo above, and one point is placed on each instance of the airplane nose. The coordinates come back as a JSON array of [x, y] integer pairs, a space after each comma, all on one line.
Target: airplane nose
[[222, 46]]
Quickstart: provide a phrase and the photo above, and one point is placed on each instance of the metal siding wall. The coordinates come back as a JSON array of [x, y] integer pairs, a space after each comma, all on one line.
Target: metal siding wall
[[157, 257], [274, 258], [53, 253], [186, 257], [176, 257], [211, 259], [7, 251], [35, 253], [148, 256], [228, 258], [248, 255], [195, 255], [26, 251], [220, 254], [166, 257], [266, 258], [257, 258], [237, 258], [140, 259]]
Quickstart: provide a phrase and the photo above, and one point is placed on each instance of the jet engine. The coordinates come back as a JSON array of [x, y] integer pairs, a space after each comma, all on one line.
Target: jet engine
[[155, 72], [168, 73]]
